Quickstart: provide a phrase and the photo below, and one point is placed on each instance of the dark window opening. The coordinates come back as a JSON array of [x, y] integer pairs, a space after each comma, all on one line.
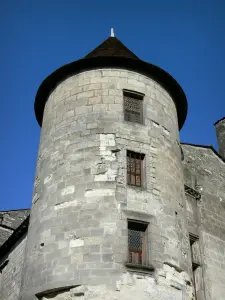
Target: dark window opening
[[195, 259], [195, 250], [135, 168], [193, 238], [194, 266], [137, 242], [133, 107]]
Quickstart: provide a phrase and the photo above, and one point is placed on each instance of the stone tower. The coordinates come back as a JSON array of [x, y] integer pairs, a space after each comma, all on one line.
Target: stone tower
[[107, 218], [220, 132]]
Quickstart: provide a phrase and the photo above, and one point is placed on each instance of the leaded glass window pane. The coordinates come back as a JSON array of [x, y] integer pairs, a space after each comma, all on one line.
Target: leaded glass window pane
[[135, 239], [133, 107], [137, 233]]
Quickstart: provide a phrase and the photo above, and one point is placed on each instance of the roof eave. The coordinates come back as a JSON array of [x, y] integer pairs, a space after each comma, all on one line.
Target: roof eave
[[151, 71]]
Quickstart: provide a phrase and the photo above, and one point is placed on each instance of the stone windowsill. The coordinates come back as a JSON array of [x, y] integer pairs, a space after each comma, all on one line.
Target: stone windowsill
[[137, 188], [140, 268]]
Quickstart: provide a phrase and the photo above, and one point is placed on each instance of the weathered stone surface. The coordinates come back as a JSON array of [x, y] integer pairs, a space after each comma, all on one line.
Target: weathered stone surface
[[9, 221], [205, 172], [170, 284], [11, 268], [84, 200], [220, 132], [78, 236]]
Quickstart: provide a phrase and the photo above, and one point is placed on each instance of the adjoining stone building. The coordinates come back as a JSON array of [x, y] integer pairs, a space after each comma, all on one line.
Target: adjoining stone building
[[120, 210]]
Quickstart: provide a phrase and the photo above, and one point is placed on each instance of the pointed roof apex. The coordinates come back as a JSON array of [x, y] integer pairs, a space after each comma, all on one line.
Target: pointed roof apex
[[112, 47]]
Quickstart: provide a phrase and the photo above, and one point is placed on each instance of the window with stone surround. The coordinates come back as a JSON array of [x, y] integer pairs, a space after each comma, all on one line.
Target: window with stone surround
[[137, 242], [133, 110], [135, 168], [196, 267], [195, 251]]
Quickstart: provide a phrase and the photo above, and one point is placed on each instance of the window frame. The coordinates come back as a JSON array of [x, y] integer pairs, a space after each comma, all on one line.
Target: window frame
[[140, 226], [127, 112], [129, 155], [193, 239]]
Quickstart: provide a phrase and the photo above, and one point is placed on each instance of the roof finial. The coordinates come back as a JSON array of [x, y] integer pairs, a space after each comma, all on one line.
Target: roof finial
[[112, 32]]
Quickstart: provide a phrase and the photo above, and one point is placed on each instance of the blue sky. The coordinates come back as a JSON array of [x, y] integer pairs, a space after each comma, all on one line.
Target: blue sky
[[185, 38]]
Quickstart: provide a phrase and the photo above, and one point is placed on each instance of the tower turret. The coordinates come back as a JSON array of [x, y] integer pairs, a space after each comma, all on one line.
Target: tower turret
[[220, 132], [108, 202]]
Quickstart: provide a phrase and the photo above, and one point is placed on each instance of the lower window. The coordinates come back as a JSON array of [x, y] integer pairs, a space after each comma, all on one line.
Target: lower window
[[137, 242]]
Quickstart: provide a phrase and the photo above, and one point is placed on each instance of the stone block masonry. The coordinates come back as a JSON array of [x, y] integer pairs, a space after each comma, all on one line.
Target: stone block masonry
[[119, 210], [9, 221], [220, 132], [78, 232], [11, 273], [205, 172]]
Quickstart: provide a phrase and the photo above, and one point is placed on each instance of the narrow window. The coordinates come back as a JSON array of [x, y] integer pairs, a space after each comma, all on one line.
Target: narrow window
[[133, 111], [137, 242], [135, 168], [196, 268], [195, 251]]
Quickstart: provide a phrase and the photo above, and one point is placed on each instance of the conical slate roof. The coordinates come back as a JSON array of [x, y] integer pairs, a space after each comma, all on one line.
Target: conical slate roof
[[112, 47], [112, 53]]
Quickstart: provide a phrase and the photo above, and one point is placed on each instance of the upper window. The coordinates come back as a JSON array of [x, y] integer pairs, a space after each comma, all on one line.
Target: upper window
[[137, 242], [135, 168], [133, 111]]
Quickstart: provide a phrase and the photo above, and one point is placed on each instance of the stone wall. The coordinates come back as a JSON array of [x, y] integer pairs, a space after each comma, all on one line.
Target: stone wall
[[11, 271], [220, 132], [9, 221], [205, 172], [78, 231]]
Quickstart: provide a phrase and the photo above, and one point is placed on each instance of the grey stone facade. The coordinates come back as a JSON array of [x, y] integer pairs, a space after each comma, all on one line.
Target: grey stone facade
[[11, 271], [220, 131], [205, 172], [81, 199], [9, 221], [77, 241]]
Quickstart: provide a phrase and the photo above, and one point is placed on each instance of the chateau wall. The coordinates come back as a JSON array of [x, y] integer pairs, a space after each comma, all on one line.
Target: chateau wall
[[9, 221], [78, 226], [220, 132], [205, 171], [11, 273]]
